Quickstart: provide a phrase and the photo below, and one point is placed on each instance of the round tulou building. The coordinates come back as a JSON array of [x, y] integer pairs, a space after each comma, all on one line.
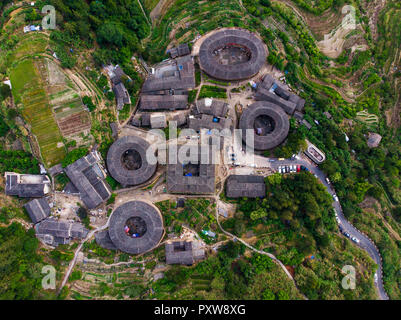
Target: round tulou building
[[268, 122], [127, 162], [232, 54], [136, 227]]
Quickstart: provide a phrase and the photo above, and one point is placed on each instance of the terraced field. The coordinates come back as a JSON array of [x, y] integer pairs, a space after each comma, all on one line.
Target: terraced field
[[49, 101], [28, 89], [188, 18], [31, 45], [371, 120]]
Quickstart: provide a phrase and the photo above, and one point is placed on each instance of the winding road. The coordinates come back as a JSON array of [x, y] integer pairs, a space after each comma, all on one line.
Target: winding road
[[365, 243]]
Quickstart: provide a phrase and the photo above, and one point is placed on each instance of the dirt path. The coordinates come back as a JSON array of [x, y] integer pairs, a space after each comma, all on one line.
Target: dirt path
[[143, 11], [158, 11], [373, 21], [77, 251]]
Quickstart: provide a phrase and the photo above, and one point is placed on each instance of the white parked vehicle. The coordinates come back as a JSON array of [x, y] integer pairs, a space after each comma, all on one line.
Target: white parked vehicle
[[356, 240], [335, 197], [337, 219], [327, 180], [376, 277]]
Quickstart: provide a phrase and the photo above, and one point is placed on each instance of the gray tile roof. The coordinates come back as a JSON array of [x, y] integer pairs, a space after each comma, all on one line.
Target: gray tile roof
[[204, 183], [38, 209], [181, 50], [148, 214], [238, 37], [274, 91], [122, 95], [214, 107], [184, 252], [56, 232], [249, 186], [163, 102], [180, 118], [88, 177], [280, 119], [145, 119], [182, 78], [103, 240], [206, 121], [114, 129], [56, 169], [118, 73], [26, 185], [116, 168]]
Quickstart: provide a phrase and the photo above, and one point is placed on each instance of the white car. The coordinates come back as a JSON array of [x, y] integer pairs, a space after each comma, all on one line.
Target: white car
[[337, 219], [356, 240], [335, 197], [327, 180], [376, 277]]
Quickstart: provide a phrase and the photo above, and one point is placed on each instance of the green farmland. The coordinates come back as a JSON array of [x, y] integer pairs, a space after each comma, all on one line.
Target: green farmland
[[29, 92]]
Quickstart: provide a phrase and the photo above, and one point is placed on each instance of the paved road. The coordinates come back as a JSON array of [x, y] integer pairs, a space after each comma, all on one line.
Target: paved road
[[365, 243]]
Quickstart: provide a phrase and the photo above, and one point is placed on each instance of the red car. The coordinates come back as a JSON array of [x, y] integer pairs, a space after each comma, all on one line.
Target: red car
[[298, 168]]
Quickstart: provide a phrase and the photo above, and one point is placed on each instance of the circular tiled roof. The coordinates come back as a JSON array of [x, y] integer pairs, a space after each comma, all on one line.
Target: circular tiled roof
[[121, 172], [147, 214], [279, 117], [236, 37]]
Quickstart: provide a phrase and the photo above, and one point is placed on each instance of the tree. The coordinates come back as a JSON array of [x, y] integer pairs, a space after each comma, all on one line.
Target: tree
[[274, 179], [82, 213], [73, 156], [257, 214], [268, 295], [111, 34], [5, 91]]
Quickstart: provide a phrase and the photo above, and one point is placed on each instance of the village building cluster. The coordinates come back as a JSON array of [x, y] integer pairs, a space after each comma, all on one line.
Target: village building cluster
[[137, 226]]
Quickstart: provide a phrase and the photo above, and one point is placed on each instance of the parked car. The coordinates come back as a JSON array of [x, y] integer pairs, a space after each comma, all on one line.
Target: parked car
[[347, 234], [335, 197], [287, 169], [376, 276], [356, 240], [281, 159], [298, 168], [337, 219], [327, 180]]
